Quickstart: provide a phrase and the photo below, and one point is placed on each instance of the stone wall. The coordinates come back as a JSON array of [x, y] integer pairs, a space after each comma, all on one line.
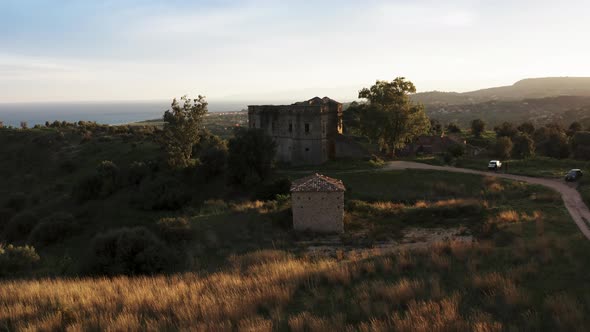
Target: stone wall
[[304, 134], [321, 212]]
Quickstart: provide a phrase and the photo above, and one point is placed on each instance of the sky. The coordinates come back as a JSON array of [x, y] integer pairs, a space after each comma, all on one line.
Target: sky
[[99, 50]]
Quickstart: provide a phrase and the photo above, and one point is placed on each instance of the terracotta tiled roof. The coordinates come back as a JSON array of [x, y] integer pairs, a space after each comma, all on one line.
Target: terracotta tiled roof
[[317, 182]]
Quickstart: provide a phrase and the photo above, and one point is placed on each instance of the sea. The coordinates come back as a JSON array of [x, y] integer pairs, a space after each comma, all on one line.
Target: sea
[[101, 112]]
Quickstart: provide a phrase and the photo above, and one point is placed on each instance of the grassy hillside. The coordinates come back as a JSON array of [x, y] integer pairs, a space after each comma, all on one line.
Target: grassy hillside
[[422, 250], [563, 110], [532, 88], [527, 271]]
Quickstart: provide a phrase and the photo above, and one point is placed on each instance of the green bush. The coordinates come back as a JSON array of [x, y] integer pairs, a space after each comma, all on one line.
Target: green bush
[[87, 189], [251, 157], [20, 226], [175, 230], [138, 171], [68, 166], [102, 184], [162, 194], [270, 191], [129, 251], [456, 150], [14, 260], [213, 153], [213, 160], [376, 161], [52, 229]]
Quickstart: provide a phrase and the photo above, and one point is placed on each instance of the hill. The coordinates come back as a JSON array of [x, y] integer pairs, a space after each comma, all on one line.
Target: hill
[[563, 110], [524, 89]]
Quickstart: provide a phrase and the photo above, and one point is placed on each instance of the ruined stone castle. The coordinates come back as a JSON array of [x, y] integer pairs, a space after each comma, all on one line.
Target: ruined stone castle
[[306, 132]]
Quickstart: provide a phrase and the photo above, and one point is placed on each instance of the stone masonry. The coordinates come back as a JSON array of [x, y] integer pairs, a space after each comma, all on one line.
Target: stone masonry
[[305, 132], [318, 204]]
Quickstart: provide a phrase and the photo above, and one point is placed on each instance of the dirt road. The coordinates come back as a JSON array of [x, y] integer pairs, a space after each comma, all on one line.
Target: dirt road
[[571, 197]]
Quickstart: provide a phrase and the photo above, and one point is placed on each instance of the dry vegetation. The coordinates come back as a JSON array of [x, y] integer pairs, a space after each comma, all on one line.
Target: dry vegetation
[[526, 269], [275, 290]]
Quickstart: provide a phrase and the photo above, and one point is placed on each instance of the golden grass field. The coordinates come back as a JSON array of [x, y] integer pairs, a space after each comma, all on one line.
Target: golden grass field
[[273, 290]]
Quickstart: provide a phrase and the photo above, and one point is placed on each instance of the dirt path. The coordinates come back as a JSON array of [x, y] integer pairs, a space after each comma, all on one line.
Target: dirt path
[[571, 197]]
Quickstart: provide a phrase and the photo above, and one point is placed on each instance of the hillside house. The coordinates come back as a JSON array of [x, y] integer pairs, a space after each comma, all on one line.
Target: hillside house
[[318, 204]]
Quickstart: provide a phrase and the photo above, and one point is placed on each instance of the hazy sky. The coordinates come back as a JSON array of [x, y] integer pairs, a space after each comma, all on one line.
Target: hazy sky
[[61, 50]]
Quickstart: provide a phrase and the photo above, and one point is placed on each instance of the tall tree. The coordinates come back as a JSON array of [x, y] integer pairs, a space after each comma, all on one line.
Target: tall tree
[[503, 147], [477, 127], [523, 146], [182, 125], [552, 141], [505, 130], [390, 118]]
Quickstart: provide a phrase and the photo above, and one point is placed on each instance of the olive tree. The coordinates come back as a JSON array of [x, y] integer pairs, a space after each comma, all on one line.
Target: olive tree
[[182, 125], [390, 118]]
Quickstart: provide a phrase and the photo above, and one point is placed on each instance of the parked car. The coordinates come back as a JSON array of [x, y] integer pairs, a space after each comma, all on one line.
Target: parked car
[[573, 175], [494, 165]]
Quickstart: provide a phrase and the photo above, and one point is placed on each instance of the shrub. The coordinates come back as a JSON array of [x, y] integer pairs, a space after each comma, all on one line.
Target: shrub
[[68, 166], [108, 172], [375, 161], [16, 259], [175, 230], [20, 226], [453, 128], [251, 157], [456, 150], [270, 191], [211, 207], [102, 184], [16, 201], [52, 229], [137, 172], [129, 251], [477, 127], [88, 188], [162, 194], [213, 155]]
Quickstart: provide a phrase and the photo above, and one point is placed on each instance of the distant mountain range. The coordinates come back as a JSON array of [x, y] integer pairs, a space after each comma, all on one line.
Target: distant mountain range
[[530, 88], [540, 100]]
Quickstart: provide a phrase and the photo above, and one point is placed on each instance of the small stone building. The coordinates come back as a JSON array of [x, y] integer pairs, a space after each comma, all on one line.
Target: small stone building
[[318, 204]]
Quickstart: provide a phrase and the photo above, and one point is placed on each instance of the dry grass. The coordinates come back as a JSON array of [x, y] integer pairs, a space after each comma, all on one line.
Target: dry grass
[[215, 301], [272, 290], [511, 217], [566, 312]]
